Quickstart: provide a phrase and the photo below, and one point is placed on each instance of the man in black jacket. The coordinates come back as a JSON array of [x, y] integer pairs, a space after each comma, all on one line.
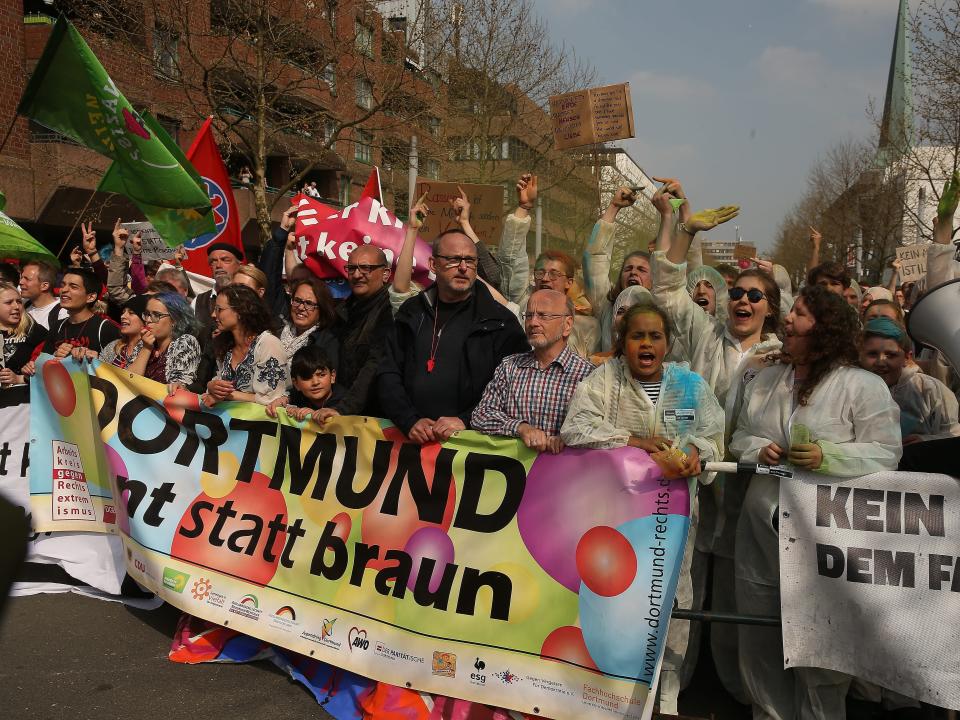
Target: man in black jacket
[[446, 343]]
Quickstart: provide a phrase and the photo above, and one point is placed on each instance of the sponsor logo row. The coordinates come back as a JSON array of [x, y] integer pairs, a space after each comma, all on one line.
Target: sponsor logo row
[[443, 663]]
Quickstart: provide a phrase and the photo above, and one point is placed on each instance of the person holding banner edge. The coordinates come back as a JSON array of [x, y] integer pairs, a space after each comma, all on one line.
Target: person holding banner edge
[[822, 413]]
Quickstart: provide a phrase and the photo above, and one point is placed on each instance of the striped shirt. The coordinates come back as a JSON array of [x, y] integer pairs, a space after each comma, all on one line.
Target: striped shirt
[[652, 389], [523, 392]]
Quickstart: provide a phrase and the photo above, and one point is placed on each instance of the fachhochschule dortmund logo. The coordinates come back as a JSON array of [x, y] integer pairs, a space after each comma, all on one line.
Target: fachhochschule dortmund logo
[[221, 215]]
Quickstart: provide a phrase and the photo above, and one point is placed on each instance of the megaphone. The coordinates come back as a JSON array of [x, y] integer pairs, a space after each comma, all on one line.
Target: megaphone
[[935, 321]]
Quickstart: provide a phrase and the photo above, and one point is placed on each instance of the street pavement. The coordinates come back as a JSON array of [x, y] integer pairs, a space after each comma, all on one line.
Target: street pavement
[[72, 658]]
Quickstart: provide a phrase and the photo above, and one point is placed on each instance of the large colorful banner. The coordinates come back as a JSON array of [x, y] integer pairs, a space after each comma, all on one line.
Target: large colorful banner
[[476, 569], [870, 580]]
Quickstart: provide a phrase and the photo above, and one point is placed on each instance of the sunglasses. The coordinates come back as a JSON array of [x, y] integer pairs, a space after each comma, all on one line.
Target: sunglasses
[[753, 295]]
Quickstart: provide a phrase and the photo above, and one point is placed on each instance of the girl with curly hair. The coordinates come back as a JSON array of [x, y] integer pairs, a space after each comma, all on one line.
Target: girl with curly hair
[[172, 350], [251, 361], [821, 413]]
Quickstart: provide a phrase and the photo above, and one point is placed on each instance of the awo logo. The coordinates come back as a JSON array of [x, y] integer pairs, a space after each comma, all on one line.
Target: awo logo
[[221, 214], [357, 639]]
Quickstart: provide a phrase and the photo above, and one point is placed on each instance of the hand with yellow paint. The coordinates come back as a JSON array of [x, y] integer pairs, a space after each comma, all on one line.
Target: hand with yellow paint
[[708, 219]]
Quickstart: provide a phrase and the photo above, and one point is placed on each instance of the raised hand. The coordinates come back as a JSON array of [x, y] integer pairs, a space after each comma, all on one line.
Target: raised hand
[[179, 255], [461, 207], [527, 190], [815, 237], [88, 239], [623, 197], [418, 213], [289, 219], [76, 256], [949, 198], [708, 219], [120, 235]]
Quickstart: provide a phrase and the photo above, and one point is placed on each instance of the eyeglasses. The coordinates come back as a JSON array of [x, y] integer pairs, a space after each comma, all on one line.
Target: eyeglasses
[[550, 274], [362, 269], [150, 316], [753, 295], [544, 317], [308, 304], [452, 261]]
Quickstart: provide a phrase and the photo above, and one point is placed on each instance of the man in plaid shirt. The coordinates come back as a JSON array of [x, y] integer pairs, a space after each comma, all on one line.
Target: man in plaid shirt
[[529, 392]]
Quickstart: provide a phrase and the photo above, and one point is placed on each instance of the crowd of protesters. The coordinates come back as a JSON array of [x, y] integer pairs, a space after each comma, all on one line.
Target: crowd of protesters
[[668, 354]]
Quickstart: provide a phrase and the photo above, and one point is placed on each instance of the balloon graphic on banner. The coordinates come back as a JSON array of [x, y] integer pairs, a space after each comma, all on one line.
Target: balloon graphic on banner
[[606, 561], [570, 493], [566, 643], [60, 388], [247, 500], [432, 543]]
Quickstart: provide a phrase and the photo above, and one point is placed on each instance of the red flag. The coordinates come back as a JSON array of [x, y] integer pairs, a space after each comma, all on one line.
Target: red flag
[[326, 237], [205, 157]]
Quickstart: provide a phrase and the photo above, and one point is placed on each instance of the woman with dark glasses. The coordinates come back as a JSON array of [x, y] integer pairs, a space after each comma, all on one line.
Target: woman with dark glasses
[[726, 353]]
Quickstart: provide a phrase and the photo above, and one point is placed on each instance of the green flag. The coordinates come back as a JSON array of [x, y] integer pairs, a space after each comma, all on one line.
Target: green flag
[[70, 92], [15, 242], [175, 225]]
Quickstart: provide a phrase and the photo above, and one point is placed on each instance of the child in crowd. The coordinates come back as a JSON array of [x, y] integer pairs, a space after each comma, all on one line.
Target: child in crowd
[[928, 409], [314, 379]]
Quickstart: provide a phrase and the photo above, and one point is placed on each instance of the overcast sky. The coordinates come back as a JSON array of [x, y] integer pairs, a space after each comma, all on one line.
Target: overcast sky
[[739, 102]]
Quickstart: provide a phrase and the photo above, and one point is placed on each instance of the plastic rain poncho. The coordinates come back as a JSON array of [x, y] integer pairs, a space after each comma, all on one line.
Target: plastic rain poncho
[[928, 408], [853, 419]]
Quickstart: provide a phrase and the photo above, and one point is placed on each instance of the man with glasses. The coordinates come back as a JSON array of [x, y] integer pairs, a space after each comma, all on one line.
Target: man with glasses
[[363, 322], [446, 344], [529, 393], [553, 270]]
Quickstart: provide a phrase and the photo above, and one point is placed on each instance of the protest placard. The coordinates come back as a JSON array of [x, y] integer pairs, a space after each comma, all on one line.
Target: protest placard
[[153, 247], [913, 262], [476, 569], [486, 208], [870, 579], [592, 116], [743, 251]]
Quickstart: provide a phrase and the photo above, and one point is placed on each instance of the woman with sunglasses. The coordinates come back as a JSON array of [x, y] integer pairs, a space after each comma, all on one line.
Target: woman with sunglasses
[[822, 413], [252, 365], [171, 350], [726, 353], [310, 320]]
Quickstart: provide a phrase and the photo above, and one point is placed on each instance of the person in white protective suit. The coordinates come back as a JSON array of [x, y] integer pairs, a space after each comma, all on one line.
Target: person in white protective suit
[[928, 409], [727, 355], [821, 413], [629, 297], [635, 399], [553, 270]]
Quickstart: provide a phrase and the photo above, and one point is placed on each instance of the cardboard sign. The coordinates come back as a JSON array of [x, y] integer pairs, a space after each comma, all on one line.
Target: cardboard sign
[[744, 252], [486, 208], [913, 262], [153, 247], [592, 116]]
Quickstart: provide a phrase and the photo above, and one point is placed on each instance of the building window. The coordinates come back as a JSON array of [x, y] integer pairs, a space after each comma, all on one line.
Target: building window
[[363, 147], [329, 127], [364, 39], [171, 125], [431, 169], [330, 76], [166, 56], [364, 93], [433, 125]]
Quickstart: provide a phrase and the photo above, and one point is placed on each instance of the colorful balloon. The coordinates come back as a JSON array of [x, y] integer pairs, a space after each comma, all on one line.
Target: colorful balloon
[[566, 644], [60, 389], [606, 561], [429, 542], [570, 493]]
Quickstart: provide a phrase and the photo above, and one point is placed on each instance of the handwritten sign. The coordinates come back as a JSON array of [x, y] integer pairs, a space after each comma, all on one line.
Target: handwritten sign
[[744, 252], [913, 262], [153, 247], [486, 208], [592, 116]]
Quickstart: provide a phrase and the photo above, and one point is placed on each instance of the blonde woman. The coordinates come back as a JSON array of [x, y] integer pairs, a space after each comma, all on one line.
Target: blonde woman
[[21, 335]]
